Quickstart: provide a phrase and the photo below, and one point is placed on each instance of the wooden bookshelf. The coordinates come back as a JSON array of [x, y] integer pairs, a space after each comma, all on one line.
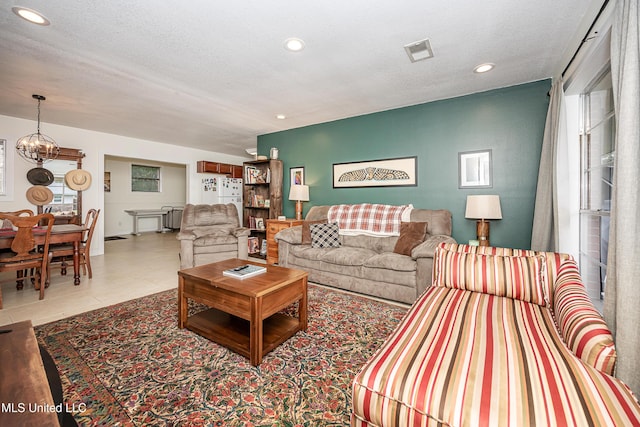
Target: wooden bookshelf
[[262, 196]]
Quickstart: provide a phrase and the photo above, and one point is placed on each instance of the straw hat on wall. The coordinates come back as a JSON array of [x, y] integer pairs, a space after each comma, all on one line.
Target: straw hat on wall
[[78, 179], [39, 195]]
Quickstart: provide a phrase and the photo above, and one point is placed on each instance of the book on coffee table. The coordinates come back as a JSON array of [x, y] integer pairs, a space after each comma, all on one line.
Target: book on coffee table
[[244, 271]]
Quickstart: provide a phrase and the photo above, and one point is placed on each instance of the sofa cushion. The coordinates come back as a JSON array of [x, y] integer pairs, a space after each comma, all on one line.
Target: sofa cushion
[[212, 240], [518, 277], [213, 230], [378, 244], [306, 230], [391, 261], [391, 268], [411, 235], [324, 236], [347, 256], [554, 259], [214, 249], [307, 252]]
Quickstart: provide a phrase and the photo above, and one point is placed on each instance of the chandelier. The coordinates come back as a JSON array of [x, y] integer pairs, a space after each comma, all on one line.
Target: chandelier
[[37, 147]]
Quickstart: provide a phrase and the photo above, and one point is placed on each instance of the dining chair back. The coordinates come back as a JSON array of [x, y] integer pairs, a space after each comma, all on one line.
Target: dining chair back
[[5, 223], [61, 253], [24, 254]]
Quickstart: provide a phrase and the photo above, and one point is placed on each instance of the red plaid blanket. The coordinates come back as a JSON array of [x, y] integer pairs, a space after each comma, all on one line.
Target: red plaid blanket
[[366, 218]]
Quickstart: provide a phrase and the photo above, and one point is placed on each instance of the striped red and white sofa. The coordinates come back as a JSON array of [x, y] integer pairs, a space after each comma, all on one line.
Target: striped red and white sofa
[[503, 337]]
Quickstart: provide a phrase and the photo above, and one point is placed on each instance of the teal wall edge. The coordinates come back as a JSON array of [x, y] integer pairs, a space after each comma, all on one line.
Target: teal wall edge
[[509, 121]]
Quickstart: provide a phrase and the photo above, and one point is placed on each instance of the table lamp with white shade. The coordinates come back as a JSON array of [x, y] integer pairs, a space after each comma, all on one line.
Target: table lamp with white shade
[[299, 193], [482, 208]]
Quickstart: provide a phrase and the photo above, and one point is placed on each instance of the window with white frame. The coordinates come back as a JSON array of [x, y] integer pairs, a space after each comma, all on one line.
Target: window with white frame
[[597, 151]]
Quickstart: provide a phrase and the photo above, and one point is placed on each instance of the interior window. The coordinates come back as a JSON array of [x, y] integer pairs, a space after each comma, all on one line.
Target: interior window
[[145, 178]]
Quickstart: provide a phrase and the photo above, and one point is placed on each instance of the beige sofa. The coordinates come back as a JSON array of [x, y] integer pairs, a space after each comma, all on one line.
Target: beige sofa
[[367, 264]]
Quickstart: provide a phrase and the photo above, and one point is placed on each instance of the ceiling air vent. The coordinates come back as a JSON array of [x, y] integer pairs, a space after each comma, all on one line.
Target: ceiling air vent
[[419, 50]]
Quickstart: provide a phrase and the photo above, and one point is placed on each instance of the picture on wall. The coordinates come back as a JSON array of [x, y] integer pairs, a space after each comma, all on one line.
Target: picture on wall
[[297, 175], [474, 169], [377, 173], [107, 182]]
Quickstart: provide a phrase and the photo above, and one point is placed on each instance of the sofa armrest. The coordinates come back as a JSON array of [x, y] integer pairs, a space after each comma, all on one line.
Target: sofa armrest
[[186, 235], [186, 254], [427, 248], [292, 235], [581, 326], [241, 231]]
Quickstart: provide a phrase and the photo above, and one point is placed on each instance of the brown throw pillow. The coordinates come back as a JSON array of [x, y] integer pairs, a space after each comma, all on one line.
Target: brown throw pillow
[[411, 235], [306, 231]]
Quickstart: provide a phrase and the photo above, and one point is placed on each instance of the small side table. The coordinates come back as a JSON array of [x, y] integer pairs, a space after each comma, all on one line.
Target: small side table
[[273, 227]]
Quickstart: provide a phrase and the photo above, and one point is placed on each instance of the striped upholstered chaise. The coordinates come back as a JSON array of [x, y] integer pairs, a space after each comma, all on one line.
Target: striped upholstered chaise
[[503, 338]]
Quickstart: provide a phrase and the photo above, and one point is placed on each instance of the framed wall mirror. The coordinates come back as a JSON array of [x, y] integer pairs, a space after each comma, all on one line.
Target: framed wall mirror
[[475, 169], [67, 203]]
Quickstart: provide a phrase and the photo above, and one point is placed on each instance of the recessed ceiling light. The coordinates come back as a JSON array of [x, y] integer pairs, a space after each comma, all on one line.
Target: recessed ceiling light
[[294, 44], [30, 15], [281, 117], [483, 68]]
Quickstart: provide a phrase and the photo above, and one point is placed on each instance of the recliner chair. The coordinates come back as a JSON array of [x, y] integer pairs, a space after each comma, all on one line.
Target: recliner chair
[[211, 233]]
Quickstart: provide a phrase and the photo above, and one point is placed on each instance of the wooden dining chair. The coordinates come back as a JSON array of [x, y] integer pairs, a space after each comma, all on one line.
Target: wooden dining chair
[[25, 255], [60, 254], [21, 212], [5, 224]]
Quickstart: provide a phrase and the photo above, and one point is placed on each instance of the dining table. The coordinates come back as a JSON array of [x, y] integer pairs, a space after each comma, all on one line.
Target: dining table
[[60, 234]]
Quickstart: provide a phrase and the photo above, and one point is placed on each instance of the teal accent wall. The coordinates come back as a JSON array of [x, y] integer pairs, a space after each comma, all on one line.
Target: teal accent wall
[[509, 121]]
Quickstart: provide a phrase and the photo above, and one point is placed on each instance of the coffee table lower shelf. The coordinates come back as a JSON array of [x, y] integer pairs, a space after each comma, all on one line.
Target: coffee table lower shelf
[[234, 332]]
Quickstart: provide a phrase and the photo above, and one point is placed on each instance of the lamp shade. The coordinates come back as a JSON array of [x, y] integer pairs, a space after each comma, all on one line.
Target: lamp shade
[[483, 207], [299, 192]]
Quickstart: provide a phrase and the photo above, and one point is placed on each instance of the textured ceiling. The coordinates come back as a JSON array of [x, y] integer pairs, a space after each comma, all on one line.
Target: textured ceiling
[[213, 75]]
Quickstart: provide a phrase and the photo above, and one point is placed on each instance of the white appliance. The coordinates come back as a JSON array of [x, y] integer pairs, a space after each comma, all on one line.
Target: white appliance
[[218, 189]]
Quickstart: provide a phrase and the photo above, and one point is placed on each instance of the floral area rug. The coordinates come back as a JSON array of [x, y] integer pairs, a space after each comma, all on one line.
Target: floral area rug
[[130, 365]]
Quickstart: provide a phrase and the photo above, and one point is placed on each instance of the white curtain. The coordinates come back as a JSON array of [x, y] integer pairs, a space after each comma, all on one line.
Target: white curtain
[[622, 292], [545, 234]]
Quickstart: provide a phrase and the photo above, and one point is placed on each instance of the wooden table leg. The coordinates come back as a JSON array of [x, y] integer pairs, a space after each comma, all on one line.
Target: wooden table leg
[[256, 332], [76, 263], [302, 306], [182, 304]]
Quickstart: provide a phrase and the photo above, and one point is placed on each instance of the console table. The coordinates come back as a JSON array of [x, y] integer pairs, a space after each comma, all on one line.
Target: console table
[[147, 213]]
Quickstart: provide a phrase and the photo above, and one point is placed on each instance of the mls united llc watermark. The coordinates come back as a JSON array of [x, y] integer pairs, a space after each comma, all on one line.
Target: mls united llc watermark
[[21, 407]]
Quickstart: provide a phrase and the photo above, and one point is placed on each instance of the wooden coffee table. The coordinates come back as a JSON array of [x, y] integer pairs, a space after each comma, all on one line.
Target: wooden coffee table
[[244, 314]]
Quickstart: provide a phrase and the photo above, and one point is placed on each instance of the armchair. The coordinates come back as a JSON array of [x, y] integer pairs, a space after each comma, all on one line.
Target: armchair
[[211, 233]]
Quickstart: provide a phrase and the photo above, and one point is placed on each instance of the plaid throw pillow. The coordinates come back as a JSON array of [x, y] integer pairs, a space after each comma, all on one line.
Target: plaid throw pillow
[[324, 236]]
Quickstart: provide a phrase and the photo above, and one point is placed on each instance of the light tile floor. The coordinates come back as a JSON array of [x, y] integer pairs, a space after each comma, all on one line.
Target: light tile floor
[[130, 268]]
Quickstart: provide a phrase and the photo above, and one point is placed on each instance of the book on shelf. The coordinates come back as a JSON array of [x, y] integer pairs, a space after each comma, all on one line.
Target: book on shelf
[[244, 271], [255, 223], [254, 245], [251, 174], [254, 175], [257, 201]]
